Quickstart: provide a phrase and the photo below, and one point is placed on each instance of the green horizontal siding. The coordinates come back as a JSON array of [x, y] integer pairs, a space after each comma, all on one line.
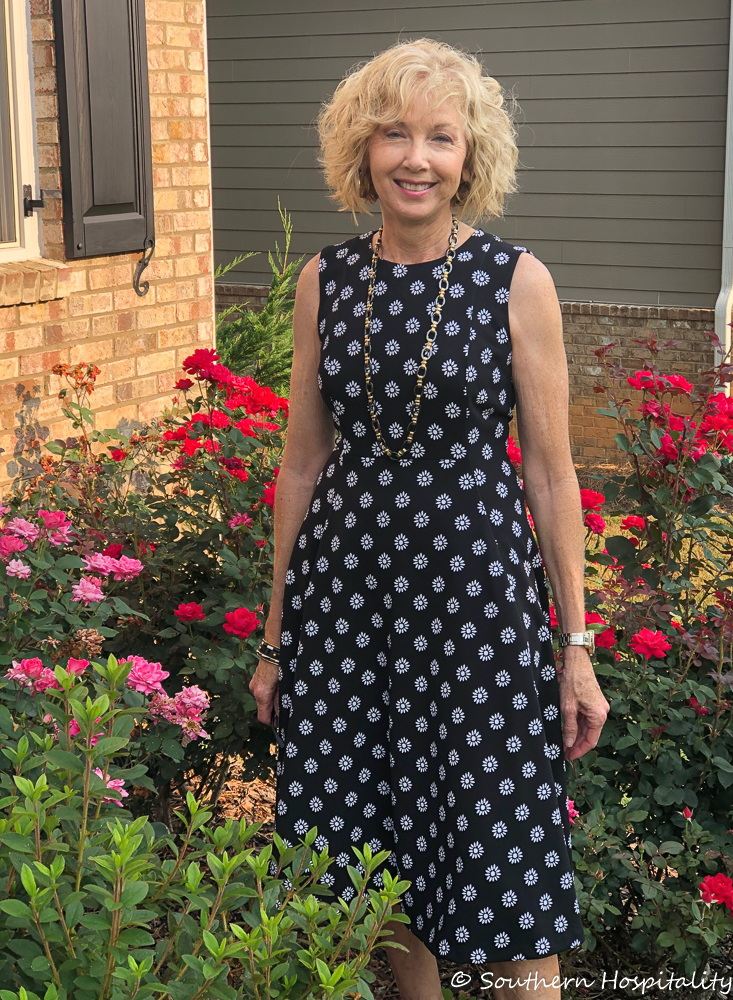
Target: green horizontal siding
[[621, 128]]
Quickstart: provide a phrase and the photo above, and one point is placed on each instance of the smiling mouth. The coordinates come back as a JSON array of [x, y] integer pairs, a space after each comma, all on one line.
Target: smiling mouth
[[410, 186]]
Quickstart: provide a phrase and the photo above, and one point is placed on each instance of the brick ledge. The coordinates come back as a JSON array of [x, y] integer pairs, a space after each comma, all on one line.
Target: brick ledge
[[34, 280], [232, 292], [698, 315]]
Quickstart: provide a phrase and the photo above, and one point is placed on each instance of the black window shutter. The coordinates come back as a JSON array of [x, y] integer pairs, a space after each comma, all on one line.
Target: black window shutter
[[104, 112]]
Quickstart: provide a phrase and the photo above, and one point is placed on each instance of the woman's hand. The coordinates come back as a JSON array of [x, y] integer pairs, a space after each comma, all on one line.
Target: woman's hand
[[582, 703], [264, 687]]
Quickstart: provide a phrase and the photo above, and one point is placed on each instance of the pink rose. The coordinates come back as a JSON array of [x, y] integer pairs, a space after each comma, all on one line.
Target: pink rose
[[97, 562], [75, 666], [25, 672], [116, 784], [54, 518], [191, 702], [45, 681], [145, 677], [23, 529], [88, 590], [9, 545], [126, 568], [16, 567], [74, 730], [60, 537]]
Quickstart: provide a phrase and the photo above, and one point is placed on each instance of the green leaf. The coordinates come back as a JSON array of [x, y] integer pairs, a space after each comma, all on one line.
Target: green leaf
[[15, 908], [28, 880], [16, 842], [671, 847], [95, 922], [134, 893], [65, 760], [135, 937], [110, 745]]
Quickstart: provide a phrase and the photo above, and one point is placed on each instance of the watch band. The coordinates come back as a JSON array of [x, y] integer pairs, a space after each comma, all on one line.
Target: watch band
[[586, 639]]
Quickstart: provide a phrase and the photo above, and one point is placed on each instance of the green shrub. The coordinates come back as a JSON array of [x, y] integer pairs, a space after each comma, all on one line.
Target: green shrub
[[259, 342], [105, 907]]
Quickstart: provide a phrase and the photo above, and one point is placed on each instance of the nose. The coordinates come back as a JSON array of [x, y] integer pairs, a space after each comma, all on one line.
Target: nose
[[415, 156]]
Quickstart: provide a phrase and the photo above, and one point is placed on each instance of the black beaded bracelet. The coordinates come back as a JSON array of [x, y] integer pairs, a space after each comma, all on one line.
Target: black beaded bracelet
[[268, 652]]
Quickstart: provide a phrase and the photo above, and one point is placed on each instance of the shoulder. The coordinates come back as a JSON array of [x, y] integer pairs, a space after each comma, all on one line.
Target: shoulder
[[535, 314], [531, 280]]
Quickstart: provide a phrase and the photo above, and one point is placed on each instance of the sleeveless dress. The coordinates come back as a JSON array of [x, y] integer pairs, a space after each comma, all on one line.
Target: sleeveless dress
[[419, 701]]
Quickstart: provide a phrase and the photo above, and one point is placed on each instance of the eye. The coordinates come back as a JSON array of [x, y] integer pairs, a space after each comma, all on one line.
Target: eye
[[393, 132], [444, 138]]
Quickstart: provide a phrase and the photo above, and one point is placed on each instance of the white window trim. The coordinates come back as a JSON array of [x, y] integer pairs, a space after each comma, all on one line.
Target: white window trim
[[23, 127]]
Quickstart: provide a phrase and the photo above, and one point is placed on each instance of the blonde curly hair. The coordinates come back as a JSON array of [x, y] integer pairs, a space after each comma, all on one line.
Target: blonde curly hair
[[378, 92]]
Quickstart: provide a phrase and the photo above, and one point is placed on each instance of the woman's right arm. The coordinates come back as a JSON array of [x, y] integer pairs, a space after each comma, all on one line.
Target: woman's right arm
[[309, 440]]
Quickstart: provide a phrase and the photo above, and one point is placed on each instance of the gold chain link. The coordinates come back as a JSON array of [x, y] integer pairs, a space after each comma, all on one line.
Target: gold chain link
[[424, 354]]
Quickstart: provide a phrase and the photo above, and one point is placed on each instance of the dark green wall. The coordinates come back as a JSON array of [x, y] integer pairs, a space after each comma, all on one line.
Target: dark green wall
[[621, 130]]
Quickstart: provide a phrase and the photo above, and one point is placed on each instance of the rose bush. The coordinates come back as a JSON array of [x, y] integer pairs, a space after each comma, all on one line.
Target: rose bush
[[168, 550], [653, 802]]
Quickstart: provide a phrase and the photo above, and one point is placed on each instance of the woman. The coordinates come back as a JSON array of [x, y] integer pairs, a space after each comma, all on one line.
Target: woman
[[410, 651]]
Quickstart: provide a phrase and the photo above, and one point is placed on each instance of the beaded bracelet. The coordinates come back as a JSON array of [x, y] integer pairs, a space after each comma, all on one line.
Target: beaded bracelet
[[266, 651]]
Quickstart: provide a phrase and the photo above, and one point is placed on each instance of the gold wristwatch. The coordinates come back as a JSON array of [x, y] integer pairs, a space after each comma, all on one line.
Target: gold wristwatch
[[587, 639]]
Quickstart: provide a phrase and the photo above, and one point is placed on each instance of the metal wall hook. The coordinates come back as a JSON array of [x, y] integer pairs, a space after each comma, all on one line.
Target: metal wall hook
[[144, 288]]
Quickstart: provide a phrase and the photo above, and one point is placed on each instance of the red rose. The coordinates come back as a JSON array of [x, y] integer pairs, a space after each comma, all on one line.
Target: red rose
[[632, 521], [514, 451], [591, 499], [717, 889], [648, 643], [240, 622], [184, 383], [189, 612], [595, 523], [118, 455], [201, 358], [113, 551]]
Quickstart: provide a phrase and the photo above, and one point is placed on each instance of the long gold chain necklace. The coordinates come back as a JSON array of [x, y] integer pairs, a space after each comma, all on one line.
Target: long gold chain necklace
[[424, 354]]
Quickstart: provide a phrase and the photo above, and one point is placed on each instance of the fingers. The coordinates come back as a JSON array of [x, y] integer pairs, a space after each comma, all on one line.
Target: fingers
[[586, 734]]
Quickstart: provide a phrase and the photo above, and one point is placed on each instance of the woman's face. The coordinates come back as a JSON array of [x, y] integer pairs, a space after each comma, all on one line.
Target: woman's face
[[417, 164]]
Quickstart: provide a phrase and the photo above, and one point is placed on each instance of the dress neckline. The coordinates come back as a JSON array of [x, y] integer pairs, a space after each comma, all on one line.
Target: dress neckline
[[426, 263]]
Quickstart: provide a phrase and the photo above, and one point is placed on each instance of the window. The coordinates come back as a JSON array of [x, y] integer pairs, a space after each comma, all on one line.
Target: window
[[19, 235]]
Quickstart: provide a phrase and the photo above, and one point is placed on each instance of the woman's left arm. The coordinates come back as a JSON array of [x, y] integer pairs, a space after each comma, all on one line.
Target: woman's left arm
[[540, 376]]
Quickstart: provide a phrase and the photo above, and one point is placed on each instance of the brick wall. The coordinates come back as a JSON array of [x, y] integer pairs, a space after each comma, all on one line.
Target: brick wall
[[88, 310], [586, 326]]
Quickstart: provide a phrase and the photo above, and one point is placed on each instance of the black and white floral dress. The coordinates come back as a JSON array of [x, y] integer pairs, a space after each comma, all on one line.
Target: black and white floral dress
[[419, 702]]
